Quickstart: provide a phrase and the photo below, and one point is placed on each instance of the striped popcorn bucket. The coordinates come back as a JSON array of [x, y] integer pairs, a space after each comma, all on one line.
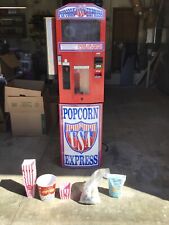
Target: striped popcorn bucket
[[47, 186], [65, 190], [29, 176]]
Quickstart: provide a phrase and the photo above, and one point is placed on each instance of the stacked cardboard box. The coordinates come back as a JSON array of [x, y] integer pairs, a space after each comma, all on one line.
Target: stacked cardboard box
[[24, 100]]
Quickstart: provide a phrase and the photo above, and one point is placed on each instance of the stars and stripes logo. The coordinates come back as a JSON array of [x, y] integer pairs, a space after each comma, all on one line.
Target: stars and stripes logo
[[81, 136], [80, 12]]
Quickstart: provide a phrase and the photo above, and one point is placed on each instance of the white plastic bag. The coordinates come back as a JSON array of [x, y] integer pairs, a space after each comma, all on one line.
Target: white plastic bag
[[90, 192]]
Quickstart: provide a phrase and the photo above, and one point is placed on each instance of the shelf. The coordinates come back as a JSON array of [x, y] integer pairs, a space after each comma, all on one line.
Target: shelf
[[12, 25]]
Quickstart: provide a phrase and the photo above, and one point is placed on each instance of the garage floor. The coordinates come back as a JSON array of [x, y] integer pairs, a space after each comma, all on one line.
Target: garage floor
[[135, 143]]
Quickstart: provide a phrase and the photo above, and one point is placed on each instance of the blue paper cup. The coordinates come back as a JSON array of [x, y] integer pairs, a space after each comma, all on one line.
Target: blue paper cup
[[116, 183]]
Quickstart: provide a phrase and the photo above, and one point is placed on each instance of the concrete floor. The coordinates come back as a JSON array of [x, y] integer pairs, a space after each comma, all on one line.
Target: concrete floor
[[135, 143]]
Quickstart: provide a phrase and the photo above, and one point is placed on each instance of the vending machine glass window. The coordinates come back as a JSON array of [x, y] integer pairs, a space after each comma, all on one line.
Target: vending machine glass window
[[80, 30], [81, 77]]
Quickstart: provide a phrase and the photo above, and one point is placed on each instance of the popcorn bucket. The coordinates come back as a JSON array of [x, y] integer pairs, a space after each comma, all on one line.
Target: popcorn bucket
[[65, 190], [29, 176], [46, 186]]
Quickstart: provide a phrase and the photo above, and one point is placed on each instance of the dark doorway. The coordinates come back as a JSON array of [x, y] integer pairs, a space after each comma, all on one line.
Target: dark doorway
[[125, 30]]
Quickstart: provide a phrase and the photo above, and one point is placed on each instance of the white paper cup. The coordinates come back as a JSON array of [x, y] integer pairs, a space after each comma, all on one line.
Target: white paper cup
[[46, 186]]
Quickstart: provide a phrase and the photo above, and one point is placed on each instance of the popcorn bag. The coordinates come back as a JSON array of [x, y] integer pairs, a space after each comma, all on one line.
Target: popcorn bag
[[29, 176], [65, 190], [116, 183]]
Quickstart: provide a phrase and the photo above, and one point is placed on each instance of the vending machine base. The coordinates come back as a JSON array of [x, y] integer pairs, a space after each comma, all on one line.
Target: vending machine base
[[81, 135]]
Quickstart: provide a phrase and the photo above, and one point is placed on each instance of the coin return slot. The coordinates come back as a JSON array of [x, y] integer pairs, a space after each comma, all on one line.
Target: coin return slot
[[98, 74]]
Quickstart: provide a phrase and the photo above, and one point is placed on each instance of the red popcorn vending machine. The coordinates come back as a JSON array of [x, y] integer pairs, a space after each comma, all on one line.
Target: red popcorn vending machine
[[80, 44]]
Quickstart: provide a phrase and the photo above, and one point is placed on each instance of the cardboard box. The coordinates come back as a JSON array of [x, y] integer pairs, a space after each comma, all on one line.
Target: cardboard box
[[8, 65], [25, 102], [10, 60]]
